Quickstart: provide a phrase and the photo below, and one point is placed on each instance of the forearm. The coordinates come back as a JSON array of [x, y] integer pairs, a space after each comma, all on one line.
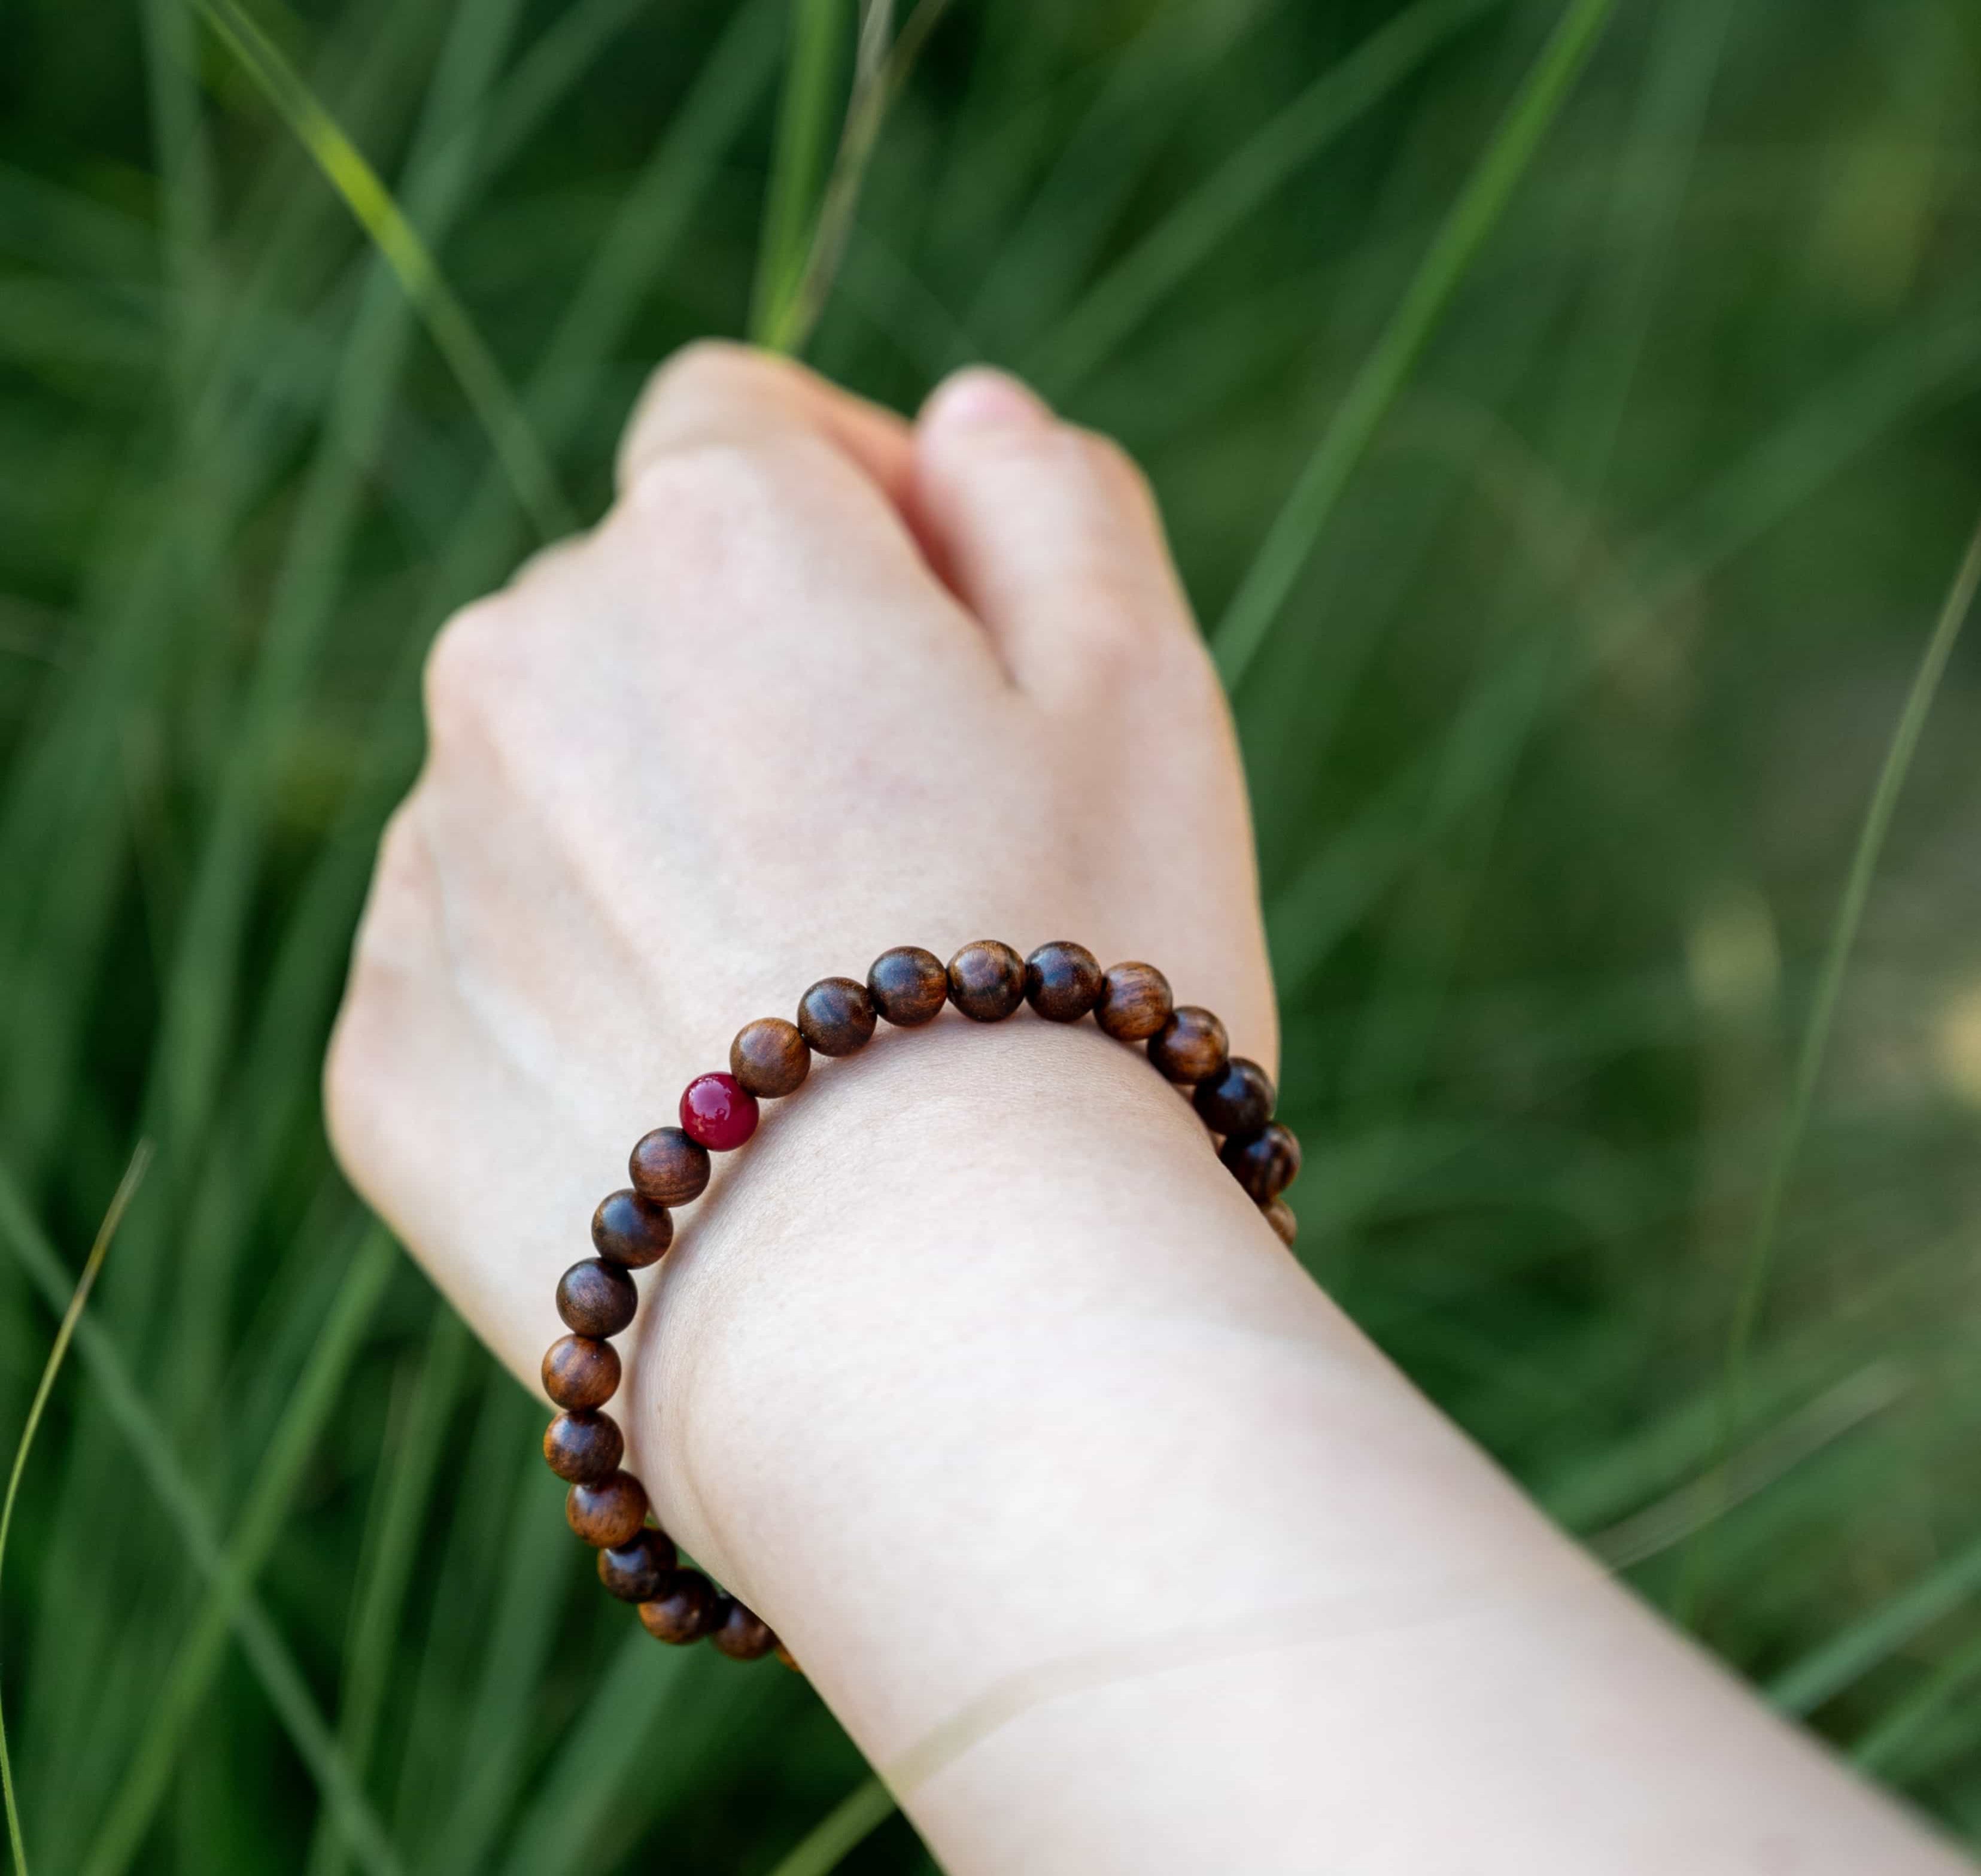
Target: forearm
[[980, 1379]]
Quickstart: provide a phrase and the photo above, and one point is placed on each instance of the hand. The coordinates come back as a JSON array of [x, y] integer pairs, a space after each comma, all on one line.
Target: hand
[[1104, 1533], [819, 684]]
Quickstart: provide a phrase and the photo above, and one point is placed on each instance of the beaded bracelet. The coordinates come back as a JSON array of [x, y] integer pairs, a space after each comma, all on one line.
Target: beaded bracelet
[[606, 1506]]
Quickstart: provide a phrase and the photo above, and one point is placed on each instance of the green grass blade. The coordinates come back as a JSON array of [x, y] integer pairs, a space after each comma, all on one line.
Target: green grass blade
[[1876, 1637], [805, 113], [122, 1833], [1902, 1732], [1269, 580], [883, 70], [605, 1778], [541, 1573], [166, 1473], [127, 1189], [1823, 1013], [406, 1483], [1137, 283], [548, 72], [848, 1824], [1150, 85], [411, 261]]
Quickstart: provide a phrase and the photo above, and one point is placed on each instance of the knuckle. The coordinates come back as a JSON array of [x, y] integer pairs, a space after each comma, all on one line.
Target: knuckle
[[704, 377], [695, 498], [460, 678], [708, 364]]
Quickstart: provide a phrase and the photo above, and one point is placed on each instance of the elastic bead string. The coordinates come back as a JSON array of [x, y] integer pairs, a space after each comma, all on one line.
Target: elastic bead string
[[606, 1506]]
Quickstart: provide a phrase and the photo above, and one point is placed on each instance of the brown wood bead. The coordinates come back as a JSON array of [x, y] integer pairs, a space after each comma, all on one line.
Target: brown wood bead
[[608, 1513], [682, 1610], [741, 1635], [836, 1016], [1062, 981], [635, 1571], [1264, 1162], [631, 1231], [1135, 1002], [668, 1168], [579, 1372], [1190, 1046], [1237, 1099], [582, 1448], [597, 1298], [986, 981], [790, 1660], [1279, 1216], [908, 985], [770, 1057]]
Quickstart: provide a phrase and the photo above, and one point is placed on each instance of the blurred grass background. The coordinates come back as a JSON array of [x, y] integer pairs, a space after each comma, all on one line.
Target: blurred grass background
[[1574, 550]]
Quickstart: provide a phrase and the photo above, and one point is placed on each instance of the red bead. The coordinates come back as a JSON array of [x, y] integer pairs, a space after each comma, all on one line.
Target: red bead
[[718, 1111]]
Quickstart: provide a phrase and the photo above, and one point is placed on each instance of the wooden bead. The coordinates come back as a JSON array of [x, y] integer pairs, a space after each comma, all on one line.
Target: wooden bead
[[682, 1610], [1237, 1099], [1265, 1162], [986, 981], [770, 1057], [608, 1513], [1135, 1002], [908, 985], [790, 1660], [579, 1372], [741, 1635], [1190, 1046], [1062, 981], [632, 1230], [596, 1299], [1279, 1216], [583, 1448], [836, 1016], [668, 1168], [635, 1571]]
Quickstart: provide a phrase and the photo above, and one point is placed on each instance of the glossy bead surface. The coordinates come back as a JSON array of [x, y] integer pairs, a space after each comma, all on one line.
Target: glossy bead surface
[[718, 1111], [986, 981], [631, 1231], [609, 1513], [1135, 1002], [683, 1610], [908, 985], [668, 1168], [1279, 1216], [635, 1572], [1062, 981], [1264, 1162], [1190, 1046], [1237, 1099], [596, 1299], [770, 1057], [739, 1633], [579, 1372], [582, 1448], [836, 1016]]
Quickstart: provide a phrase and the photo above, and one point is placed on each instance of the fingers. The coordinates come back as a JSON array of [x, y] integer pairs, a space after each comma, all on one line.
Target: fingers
[[1048, 533], [716, 392]]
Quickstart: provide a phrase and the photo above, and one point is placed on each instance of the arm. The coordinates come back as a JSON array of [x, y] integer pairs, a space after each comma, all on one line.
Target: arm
[[1110, 1540]]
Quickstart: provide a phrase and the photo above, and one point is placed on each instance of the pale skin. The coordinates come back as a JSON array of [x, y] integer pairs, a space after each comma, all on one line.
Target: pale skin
[[1110, 1541]]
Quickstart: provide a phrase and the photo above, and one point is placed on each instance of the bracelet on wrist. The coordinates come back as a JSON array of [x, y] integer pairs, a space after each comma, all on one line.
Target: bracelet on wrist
[[906, 986]]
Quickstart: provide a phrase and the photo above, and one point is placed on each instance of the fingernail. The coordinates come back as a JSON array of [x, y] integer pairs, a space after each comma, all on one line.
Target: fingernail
[[980, 396]]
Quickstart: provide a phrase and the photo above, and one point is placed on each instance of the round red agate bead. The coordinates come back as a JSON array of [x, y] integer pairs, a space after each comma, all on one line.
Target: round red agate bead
[[718, 1111]]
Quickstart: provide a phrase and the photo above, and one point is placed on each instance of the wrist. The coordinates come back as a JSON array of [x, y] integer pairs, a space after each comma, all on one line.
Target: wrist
[[922, 1274], [908, 1193]]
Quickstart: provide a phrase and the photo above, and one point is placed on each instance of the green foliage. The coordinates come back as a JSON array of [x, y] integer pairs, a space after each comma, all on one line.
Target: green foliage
[[1610, 373]]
